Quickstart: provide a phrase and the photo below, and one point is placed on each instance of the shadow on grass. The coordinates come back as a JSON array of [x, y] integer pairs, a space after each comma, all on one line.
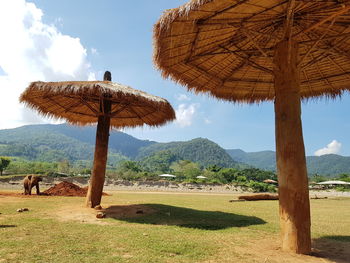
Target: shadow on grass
[[185, 217], [335, 248], [337, 238], [7, 226]]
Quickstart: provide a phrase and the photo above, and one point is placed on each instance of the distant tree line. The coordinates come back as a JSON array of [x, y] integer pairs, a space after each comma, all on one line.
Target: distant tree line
[[187, 171], [15, 165], [316, 178], [150, 167]]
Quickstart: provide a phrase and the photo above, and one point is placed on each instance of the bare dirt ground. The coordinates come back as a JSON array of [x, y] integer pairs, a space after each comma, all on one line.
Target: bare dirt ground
[[88, 215], [265, 250]]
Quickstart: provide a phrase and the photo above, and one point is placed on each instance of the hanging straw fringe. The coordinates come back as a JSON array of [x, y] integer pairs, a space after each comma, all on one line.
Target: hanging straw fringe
[[210, 46]]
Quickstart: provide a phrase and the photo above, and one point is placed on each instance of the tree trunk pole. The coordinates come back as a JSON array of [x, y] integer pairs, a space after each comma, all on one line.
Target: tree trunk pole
[[97, 179], [290, 153]]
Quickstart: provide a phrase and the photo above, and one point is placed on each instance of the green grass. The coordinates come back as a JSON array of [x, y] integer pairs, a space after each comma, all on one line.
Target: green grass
[[12, 176], [185, 228]]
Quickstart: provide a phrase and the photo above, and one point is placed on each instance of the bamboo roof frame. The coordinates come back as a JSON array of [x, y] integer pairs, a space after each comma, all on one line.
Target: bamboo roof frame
[[225, 48]]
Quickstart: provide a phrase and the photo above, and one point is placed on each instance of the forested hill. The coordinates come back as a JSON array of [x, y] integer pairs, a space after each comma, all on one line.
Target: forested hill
[[53, 143], [199, 150], [40, 143], [118, 141], [330, 164], [265, 160]]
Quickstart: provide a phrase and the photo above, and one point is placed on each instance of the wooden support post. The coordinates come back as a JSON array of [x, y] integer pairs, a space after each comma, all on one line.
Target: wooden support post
[[290, 153], [97, 179]]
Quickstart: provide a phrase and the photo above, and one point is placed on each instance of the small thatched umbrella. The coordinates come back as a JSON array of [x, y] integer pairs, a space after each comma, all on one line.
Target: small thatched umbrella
[[107, 103], [259, 50]]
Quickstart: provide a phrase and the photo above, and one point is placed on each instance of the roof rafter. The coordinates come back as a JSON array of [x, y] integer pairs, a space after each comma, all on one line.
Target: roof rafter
[[324, 20], [252, 63], [325, 38], [316, 42]]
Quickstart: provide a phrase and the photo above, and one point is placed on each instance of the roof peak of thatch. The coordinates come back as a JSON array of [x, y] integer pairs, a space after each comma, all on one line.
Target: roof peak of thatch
[[94, 87]]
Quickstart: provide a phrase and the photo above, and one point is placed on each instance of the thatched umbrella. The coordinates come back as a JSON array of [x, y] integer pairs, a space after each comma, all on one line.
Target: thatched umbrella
[[260, 50], [107, 103]]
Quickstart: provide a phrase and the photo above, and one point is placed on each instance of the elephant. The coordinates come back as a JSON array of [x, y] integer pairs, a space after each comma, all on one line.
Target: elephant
[[29, 182]]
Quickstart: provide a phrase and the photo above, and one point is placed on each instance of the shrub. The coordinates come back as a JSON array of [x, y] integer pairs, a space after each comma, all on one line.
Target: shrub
[[261, 187]]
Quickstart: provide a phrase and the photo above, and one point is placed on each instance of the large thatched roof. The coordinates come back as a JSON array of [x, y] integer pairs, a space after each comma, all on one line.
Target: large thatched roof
[[226, 47], [78, 102]]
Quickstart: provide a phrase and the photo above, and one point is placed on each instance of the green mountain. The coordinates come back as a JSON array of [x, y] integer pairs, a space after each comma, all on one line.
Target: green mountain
[[263, 160], [330, 164], [64, 142], [118, 141], [202, 151], [51, 143], [40, 143]]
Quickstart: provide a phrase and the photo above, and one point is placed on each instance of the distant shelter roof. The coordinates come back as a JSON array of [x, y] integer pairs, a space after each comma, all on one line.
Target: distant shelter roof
[[167, 175], [270, 181], [334, 183]]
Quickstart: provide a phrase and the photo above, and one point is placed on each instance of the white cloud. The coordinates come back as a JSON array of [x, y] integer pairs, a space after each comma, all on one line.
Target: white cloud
[[65, 49], [183, 97], [29, 51], [185, 114], [332, 148]]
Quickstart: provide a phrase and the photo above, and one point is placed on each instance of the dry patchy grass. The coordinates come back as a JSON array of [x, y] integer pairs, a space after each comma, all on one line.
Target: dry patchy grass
[[171, 228]]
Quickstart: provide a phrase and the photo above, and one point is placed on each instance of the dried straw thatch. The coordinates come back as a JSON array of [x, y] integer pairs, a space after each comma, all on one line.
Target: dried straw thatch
[[78, 102], [226, 47]]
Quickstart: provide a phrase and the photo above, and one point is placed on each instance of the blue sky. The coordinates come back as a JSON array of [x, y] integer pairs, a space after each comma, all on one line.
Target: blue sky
[[81, 39]]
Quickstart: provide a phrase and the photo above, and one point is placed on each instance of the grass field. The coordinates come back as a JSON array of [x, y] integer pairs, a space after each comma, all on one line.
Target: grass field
[[172, 228]]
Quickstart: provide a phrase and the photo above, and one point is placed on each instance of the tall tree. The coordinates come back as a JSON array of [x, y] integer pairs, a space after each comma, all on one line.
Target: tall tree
[[4, 162], [64, 167], [186, 168]]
